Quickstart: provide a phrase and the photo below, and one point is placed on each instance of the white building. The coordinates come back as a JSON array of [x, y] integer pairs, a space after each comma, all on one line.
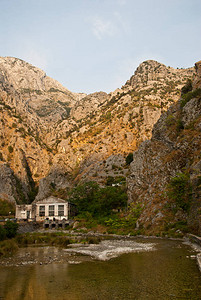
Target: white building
[[51, 208]]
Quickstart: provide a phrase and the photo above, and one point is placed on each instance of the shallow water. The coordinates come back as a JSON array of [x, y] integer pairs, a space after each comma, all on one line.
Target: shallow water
[[108, 249], [155, 269]]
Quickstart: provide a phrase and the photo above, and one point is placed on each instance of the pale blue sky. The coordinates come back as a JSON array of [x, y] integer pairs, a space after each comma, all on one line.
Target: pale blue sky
[[96, 45]]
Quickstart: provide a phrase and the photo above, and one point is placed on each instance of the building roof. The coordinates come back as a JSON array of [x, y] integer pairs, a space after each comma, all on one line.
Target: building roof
[[51, 200]]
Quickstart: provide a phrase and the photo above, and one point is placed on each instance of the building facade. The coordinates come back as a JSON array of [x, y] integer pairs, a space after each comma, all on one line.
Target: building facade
[[50, 208]]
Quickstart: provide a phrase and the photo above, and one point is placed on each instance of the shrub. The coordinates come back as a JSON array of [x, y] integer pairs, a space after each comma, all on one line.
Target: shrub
[[179, 191], [129, 158], [190, 95], [6, 208], [170, 120], [179, 225], [2, 233], [11, 229], [187, 87], [127, 224], [8, 247], [10, 149], [135, 210], [115, 180], [180, 125], [38, 92]]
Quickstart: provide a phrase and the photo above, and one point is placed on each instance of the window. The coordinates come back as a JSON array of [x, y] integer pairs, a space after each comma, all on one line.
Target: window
[[51, 210], [42, 210], [60, 210]]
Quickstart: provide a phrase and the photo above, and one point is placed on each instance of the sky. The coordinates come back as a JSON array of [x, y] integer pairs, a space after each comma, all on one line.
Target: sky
[[96, 45]]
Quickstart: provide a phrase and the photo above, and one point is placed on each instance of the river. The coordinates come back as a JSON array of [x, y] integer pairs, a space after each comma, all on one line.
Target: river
[[115, 269]]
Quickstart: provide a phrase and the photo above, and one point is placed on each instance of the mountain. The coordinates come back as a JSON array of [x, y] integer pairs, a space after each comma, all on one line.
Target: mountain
[[52, 138], [165, 175]]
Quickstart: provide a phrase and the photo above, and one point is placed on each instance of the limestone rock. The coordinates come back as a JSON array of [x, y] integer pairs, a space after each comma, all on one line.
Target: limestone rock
[[174, 148], [9, 187], [52, 136]]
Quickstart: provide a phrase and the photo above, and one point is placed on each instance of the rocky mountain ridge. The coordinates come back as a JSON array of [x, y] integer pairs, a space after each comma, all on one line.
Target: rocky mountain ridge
[[51, 137]]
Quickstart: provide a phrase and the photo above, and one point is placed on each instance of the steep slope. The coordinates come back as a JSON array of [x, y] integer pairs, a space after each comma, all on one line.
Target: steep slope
[[165, 175], [23, 152], [32, 105], [41, 100], [127, 116], [53, 135]]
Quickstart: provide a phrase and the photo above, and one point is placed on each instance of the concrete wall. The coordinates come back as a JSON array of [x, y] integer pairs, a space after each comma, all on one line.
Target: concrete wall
[[23, 211], [38, 218], [28, 227]]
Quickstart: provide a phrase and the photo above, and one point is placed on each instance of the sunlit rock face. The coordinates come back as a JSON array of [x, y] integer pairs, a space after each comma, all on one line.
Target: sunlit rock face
[[50, 134]]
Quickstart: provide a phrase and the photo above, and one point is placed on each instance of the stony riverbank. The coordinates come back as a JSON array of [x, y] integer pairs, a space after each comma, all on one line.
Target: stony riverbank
[[47, 246]]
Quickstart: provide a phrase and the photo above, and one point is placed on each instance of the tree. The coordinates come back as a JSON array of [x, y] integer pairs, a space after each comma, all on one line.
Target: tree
[[89, 197], [83, 195], [11, 229], [112, 198]]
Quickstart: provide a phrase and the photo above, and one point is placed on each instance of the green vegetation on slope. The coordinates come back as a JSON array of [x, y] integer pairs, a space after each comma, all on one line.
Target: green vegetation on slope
[[179, 192], [105, 208], [90, 197], [6, 208], [190, 95]]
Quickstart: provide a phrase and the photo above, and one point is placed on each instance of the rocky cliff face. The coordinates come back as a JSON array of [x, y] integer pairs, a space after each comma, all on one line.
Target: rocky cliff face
[[125, 118], [165, 175], [51, 137]]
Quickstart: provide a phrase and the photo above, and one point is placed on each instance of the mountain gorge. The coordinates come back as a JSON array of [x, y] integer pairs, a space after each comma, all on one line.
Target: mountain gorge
[[51, 138]]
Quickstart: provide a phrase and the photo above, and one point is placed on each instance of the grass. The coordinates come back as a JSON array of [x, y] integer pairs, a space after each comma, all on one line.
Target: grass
[[8, 248], [61, 239]]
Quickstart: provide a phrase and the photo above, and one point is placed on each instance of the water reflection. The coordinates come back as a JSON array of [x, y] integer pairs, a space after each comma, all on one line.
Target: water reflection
[[34, 282], [162, 274]]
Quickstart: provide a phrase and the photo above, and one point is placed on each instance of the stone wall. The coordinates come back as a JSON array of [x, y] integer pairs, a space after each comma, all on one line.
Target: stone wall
[[28, 227]]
